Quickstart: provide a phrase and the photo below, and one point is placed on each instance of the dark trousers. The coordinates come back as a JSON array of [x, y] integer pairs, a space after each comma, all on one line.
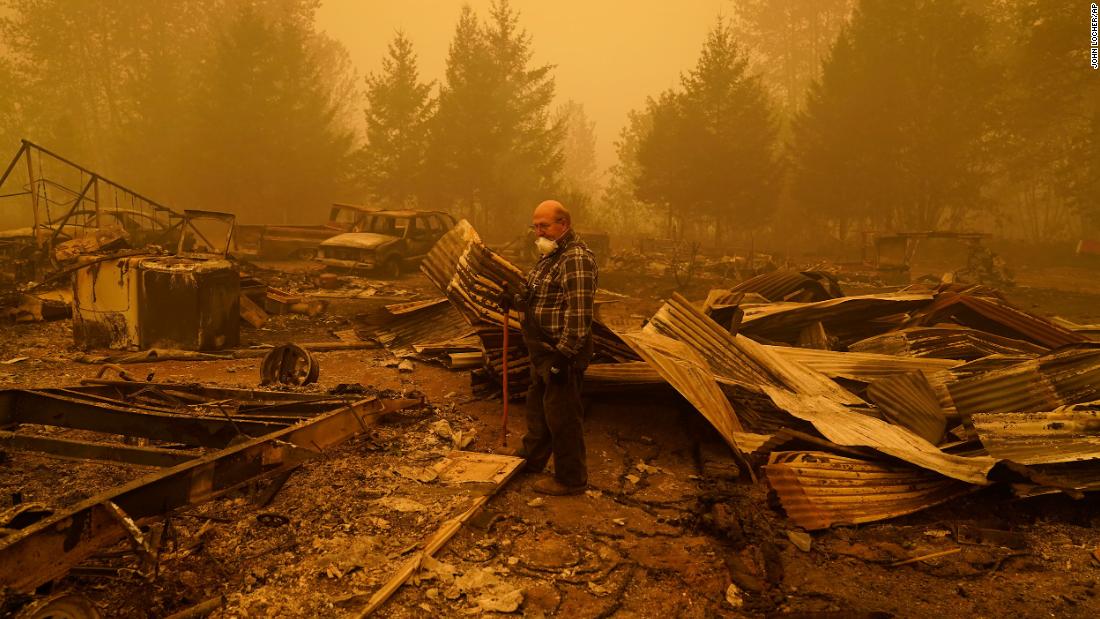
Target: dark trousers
[[554, 422]]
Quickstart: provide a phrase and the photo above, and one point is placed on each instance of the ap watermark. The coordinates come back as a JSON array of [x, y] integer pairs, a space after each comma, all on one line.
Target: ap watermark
[[1094, 30]]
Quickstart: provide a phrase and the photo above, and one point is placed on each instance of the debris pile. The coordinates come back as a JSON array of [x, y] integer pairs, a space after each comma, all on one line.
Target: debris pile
[[854, 408]]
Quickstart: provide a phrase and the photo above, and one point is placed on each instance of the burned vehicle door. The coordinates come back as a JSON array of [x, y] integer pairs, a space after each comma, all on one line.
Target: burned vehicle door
[[419, 237]]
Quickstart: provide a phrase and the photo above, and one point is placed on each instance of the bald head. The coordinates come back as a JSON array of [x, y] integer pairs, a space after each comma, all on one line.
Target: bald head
[[551, 219]]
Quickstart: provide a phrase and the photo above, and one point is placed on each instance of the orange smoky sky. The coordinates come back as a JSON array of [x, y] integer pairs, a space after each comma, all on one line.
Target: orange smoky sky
[[609, 55]]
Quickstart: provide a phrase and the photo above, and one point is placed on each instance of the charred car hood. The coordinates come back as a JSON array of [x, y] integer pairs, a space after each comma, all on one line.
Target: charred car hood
[[360, 240]]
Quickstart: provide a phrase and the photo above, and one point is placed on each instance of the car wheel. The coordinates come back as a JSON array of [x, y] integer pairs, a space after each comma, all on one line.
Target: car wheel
[[391, 268]]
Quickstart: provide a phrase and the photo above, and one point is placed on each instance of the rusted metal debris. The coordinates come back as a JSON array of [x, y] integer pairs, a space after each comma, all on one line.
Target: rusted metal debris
[[69, 211], [877, 383], [487, 471], [48, 548], [820, 490], [289, 364], [189, 301], [1067, 434], [470, 276], [803, 287]]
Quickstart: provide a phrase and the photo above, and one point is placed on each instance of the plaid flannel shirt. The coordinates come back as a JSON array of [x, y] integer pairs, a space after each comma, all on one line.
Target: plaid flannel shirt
[[561, 291]]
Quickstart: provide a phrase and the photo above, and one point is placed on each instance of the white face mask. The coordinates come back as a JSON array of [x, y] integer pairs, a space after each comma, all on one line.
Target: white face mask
[[545, 245]]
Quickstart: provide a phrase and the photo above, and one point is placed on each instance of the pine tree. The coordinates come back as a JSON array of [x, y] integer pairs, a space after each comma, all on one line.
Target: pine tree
[[893, 132], [619, 209], [272, 144], [494, 151], [788, 39], [1049, 123], [711, 154], [579, 174], [399, 109]]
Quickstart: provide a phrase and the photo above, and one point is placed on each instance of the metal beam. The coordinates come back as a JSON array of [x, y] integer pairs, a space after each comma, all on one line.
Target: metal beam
[[105, 180], [88, 450], [52, 409], [11, 166], [49, 548], [76, 205]]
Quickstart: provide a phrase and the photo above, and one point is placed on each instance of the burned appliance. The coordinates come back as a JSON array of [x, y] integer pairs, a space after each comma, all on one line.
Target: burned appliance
[[187, 301]]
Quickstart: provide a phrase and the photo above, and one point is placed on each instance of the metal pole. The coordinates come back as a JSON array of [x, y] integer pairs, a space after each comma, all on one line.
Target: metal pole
[[34, 192], [76, 205], [11, 166]]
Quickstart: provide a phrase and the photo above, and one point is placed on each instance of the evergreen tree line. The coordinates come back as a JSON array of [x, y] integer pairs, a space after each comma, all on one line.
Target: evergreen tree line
[[821, 117], [243, 106], [925, 114]]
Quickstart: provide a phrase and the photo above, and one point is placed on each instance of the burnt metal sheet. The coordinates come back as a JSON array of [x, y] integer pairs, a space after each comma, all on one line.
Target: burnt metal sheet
[[471, 276], [434, 321], [1070, 376], [686, 371], [953, 342], [1079, 476], [848, 318], [909, 401], [860, 366], [47, 549], [819, 490], [1067, 434], [627, 377], [91, 450], [738, 359], [806, 286], [997, 317], [853, 429], [52, 409]]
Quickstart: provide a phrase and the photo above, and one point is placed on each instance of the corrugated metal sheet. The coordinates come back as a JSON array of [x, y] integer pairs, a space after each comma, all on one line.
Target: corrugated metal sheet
[[792, 286], [945, 343], [819, 490], [848, 318], [997, 317], [861, 366], [988, 364], [471, 276], [1068, 434], [749, 442], [853, 429], [630, 373], [739, 359], [688, 373], [909, 401], [1067, 377], [1083, 476], [400, 309], [422, 323]]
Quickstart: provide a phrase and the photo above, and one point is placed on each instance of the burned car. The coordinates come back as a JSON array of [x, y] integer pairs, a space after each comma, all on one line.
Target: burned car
[[278, 242], [389, 242]]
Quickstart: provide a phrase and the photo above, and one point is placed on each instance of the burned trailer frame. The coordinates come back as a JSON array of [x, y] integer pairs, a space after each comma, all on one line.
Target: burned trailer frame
[[48, 549]]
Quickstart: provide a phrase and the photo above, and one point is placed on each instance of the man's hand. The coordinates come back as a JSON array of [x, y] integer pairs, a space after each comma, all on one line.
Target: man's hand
[[560, 367], [505, 299], [513, 296]]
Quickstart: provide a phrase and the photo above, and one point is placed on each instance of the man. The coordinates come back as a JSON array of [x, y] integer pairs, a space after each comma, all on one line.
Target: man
[[557, 329]]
